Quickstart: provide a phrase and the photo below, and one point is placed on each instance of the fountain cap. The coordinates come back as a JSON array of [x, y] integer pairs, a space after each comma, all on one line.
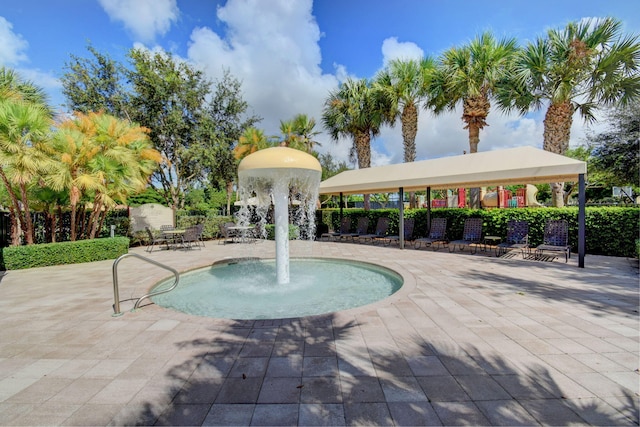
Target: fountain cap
[[279, 158]]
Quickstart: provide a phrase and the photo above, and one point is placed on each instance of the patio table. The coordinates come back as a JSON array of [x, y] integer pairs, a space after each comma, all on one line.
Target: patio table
[[174, 237], [241, 232]]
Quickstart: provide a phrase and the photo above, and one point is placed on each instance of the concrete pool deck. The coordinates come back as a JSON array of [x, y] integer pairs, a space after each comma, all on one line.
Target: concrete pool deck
[[470, 340]]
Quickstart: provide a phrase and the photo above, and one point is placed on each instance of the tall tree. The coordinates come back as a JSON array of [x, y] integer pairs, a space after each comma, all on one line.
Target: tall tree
[[356, 110], [223, 123], [587, 65], [471, 75], [25, 120], [95, 84], [615, 152], [169, 98], [406, 83]]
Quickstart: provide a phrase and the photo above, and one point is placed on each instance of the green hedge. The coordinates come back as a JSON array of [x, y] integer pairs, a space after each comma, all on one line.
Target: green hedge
[[294, 231], [29, 256], [610, 231], [211, 223]]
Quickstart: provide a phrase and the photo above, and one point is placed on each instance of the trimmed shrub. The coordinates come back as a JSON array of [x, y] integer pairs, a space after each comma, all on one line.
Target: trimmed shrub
[[211, 223], [294, 231], [610, 231], [20, 257]]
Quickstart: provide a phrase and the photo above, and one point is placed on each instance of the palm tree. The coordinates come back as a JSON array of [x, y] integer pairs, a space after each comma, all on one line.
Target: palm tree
[[23, 128], [405, 82], [13, 87], [305, 129], [357, 110], [298, 133], [588, 64], [24, 121], [102, 157], [472, 74], [250, 141], [125, 162]]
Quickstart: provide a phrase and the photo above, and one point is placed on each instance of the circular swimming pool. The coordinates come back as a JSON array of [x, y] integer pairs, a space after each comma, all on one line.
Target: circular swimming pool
[[246, 289]]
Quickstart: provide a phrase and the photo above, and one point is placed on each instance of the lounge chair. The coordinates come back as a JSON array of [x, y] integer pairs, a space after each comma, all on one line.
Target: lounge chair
[[408, 233], [556, 239], [382, 226], [155, 240], [471, 236], [361, 228], [345, 228], [517, 238], [437, 235]]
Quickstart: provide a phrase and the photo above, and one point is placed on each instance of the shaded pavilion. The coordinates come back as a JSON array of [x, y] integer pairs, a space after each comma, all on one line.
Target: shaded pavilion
[[521, 165]]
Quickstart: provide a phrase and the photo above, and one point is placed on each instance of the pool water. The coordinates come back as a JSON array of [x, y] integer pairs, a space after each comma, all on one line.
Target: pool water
[[247, 288]]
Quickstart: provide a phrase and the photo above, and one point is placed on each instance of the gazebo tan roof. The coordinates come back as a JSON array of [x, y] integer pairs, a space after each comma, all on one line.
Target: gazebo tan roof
[[522, 165]]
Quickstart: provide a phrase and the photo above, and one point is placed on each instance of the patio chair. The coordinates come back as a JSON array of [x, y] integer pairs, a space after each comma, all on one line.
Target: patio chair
[[361, 228], [408, 233], [190, 238], [471, 236], [382, 226], [517, 238], [345, 227], [164, 228], [155, 240], [199, 231], [556, 239], [437, 235], [227, 235]]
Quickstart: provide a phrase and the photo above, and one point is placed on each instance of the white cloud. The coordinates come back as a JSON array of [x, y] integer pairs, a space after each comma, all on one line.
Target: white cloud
[[272, 48], [144, 18], [12, 45], [393, 49]]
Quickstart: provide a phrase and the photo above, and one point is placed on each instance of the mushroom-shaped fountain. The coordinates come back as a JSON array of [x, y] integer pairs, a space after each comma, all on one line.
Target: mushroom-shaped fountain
[[272, 175]]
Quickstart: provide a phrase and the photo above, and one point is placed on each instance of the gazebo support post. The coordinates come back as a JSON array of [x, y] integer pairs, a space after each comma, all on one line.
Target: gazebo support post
[[428, 210], [401, 218], [582, 239], [341, 208]]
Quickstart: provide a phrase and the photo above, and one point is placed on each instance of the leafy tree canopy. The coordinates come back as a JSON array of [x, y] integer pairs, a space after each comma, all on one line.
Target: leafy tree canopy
[[615, 152]]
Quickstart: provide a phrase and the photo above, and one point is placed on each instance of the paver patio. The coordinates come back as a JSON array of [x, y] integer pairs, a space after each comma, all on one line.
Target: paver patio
[[468, 340]]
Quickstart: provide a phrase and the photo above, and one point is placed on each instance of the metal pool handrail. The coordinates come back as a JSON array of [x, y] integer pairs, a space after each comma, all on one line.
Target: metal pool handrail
[[116, 292]]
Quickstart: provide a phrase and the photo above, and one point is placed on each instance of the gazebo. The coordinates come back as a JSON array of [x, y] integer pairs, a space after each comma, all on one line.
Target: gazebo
[[522, 165]]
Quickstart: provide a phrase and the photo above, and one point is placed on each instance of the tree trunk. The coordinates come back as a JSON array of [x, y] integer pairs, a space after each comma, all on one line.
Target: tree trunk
[[103, 216], [74, 197], [15, 227], [409, 121], [53, 225], [475, 112], [363, 150], [557, 131], [229, 193], [16, 213], [72, 226], [27, 227], [83, 222], [94, 217]]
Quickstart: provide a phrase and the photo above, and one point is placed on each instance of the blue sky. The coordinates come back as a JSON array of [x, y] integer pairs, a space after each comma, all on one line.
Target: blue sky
[[290, 53]]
